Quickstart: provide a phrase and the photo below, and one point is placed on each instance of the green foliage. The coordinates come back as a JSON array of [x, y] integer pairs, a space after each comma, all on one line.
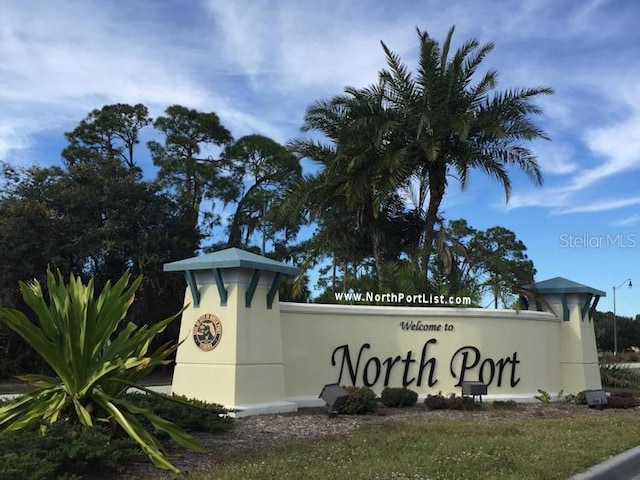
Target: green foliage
[[570, 398], [618, 376], [108, 133], [452, 402], [461, 403], [398, 397], [580, 398], [188, 413], [361, 400], [628, 332], [63, 451], [436, 402], [544, 397], [182, 166], [95, 219], [619, 400], [464, 123], [95, 357], [266, 170], [502, 263], [622, 357]]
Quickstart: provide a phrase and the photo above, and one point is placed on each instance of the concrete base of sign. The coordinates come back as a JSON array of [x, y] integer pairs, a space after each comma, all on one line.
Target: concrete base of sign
[[228, 384], [308, 401], [264, 408], [313, 402]]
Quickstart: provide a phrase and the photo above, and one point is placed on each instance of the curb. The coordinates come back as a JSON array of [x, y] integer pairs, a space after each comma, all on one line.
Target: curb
[[624, 466]]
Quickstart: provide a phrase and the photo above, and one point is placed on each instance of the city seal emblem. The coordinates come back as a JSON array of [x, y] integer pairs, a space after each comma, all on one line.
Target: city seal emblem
[[207, 332]]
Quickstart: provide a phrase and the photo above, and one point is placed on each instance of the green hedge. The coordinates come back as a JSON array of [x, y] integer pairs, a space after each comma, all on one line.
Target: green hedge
[[452, 402], [65, 451], [398, 397], [190, 414], [361, 400], [69, 451]]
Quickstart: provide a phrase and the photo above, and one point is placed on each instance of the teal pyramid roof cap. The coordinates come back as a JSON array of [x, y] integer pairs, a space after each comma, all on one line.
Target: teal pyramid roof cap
[[563, 285], [230, 258]]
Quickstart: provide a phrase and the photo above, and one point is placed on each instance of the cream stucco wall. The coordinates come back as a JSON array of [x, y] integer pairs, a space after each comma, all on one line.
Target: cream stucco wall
[[522, 349], [279, 358], [246, 366]]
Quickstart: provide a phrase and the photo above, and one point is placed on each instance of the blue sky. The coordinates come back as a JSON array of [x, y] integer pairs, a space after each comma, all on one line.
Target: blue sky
[[258, 65]]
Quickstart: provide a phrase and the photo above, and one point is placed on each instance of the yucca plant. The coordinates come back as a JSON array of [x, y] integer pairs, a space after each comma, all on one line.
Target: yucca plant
[[96, 356], [614, 375]]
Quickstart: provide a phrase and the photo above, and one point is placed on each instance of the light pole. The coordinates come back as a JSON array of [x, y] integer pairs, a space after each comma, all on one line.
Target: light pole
[[615, 321]]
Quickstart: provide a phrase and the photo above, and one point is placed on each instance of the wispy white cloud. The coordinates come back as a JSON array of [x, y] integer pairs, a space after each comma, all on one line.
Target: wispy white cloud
[[73, 57], [555, 158], [601, 205], [628, 221], [295, 46]]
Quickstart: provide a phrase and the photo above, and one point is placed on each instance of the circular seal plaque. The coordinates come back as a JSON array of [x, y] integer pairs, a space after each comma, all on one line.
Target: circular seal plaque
[[207, 332]]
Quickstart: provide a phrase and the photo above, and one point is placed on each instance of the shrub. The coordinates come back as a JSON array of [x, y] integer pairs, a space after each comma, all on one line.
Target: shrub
[[25, 465], [64, 450], [361, 400], [617, 376], [544, 396], [452, 402], [95, 356], [505, 405], [461, 403], [620, 401], [436, 402], [188, 413], [398, 397], [581, 398]]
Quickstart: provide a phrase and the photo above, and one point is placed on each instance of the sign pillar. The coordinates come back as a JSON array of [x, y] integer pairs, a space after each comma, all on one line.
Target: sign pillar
[[574, 305], [230, 333]]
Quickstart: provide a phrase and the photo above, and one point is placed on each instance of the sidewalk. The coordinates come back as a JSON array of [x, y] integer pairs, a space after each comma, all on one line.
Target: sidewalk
[[625, 466]]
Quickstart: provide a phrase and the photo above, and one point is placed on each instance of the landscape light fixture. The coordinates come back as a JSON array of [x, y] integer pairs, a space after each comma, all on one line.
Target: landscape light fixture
[[615, 321], [334, 396], [474, 389], [596, 399]]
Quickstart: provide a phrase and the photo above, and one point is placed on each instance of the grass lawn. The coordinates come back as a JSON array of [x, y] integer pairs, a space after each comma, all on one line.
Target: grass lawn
[[441, 448]]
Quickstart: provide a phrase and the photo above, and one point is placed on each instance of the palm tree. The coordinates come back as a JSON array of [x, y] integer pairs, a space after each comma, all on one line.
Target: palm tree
[[448, 125], [359, 179]]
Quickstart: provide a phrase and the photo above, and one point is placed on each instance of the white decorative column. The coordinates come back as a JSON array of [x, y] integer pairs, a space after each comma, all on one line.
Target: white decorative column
[[231, 350], [574, 304]]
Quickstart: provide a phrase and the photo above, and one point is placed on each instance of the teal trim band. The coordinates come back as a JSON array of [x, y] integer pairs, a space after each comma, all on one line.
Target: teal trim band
[[217, 274], [277, 280], [195, 293], [248, 296], [585, 307], [565, 308]]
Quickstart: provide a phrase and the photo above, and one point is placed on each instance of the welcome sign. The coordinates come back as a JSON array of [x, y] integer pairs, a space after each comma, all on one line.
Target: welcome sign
[[276, 357]]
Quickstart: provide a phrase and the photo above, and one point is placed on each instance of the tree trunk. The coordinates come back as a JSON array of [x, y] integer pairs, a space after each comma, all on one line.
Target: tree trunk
[[377, 255], [437, 185], [333, 272]]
